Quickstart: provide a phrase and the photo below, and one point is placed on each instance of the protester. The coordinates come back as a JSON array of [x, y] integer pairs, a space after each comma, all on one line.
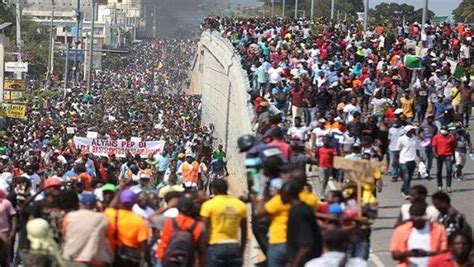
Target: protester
[[415, 241], [225, 217], [449, 217], [459, 254]]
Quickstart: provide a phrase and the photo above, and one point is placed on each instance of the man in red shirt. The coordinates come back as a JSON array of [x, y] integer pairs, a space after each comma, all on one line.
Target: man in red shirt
[[325, 157], [279, 142], [297, 103], [443, 148]]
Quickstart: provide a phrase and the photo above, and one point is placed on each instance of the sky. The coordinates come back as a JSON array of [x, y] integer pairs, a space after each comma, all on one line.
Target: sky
[[439, 7]]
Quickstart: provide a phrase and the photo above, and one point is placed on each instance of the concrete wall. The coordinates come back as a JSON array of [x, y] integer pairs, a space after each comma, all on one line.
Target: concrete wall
[[218, 76]]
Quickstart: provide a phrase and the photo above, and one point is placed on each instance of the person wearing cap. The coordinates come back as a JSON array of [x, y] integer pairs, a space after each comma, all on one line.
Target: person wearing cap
[[105, 195], [190, 173], [85, 241], [407, 145], [443, 148], [143, 184], [427, 131], [130, 232], [34, 178], [394, 133], [463, 145]]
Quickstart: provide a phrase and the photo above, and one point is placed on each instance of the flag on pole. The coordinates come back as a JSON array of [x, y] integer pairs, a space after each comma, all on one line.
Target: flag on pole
[[412, 62], [458, 72]]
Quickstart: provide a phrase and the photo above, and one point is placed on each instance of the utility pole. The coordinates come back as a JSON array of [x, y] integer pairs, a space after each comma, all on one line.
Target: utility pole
[[66, 73], [91, 47], [76, 42], [154, 21], [273, 8], [283, 9], [296, 9], [366, 14], [18, 34], [424, 16], [312, 9], [332, 9], [51, 46]]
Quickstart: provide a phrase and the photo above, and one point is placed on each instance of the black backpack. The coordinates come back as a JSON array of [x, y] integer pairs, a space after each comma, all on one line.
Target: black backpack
[[180, 250]]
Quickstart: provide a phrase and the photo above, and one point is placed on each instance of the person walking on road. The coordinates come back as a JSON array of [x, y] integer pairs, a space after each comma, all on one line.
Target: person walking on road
[[443, 148], [463, 143], [407, 145]]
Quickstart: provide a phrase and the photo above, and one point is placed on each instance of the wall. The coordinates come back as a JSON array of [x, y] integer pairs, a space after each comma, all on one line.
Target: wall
[[218, 76]]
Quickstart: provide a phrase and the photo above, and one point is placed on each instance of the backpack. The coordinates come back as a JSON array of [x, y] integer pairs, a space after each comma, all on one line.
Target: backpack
[[180, 249]]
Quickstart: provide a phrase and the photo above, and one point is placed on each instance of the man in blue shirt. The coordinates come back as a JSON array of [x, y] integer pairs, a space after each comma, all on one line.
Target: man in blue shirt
[[162, 162]]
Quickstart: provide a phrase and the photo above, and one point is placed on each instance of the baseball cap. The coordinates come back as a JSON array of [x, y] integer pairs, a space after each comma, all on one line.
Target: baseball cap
[[127, 197], [409, 128], [53, 181], [143, 176], [87, 198], [109, 187]]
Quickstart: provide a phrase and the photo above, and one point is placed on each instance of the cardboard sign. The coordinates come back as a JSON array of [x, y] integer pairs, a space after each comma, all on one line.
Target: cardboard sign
[[363, 168], [70, 130], [16, 111], [103, 147], [91, 134]]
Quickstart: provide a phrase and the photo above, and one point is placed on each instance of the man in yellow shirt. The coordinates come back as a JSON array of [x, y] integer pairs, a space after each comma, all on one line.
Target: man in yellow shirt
[[406, 103], [455, 95], [279, 212], [223, 216]]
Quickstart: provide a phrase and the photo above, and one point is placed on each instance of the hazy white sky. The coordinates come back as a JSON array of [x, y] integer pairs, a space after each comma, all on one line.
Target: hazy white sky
[[440, 7]]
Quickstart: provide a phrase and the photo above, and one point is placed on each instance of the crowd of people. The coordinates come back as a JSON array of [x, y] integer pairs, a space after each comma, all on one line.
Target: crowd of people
[[319, 90], [322, 90], [63, 206]]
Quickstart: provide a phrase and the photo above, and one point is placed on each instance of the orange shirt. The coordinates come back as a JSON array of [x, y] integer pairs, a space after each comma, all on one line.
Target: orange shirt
[[132, 229], [401, 234], [185, 223]]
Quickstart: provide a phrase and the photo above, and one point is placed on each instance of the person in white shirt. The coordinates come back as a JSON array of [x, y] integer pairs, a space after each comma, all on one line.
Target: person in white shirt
[[350, 109], [274, 74], [34, 178], [394, 133], [418, 193], [318, 133], [407, 145], [141, 208], [298, 131]]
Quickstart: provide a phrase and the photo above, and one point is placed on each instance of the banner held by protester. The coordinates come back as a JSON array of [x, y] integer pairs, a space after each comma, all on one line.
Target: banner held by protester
[[104, 147]]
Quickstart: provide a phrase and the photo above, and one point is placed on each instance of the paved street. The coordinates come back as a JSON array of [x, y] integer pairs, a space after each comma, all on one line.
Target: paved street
[[390, 202]]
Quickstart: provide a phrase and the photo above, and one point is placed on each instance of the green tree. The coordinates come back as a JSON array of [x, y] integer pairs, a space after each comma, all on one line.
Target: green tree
[[35, 43], [322, 8], [464, 12], [385, 11]]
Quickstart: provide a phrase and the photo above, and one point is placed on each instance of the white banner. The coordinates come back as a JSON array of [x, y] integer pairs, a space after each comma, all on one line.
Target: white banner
[[102, 147], [16, 66]]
